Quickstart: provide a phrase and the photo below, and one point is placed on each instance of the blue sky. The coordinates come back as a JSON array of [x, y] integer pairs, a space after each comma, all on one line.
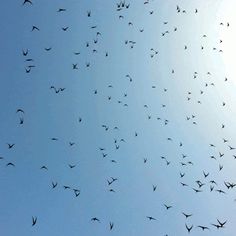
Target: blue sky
[[170, 95]]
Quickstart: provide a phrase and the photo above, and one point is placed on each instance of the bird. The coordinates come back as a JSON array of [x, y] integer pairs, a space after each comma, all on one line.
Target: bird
[[34, 220], [75, 66], [188, 228], [205, 174], [48, 49], [151, 218], [111, 224], [216, 225], [154, 187], [72, 166], [10, 145], [65, 28], [76, 192], [19, 110], [186, 215], [197, 190], [44, 168], [27, 1], [203, 227], [54, 139], [21, 121], [25, 52], [10, 164], [222, 223], [61, 10], [66, 187], [167, 207], [95, 219], [27, 70], [35, 28]]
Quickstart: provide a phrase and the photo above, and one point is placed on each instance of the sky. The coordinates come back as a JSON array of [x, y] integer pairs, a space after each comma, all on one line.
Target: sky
[[151, 97]]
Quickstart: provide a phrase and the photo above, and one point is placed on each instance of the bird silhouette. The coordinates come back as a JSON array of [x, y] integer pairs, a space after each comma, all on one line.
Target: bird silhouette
[[189, 228], [35, 28], [151, 218], [95, 219], [203, 227], [111, 224], [34, 220], [10, 145], [28, 2]]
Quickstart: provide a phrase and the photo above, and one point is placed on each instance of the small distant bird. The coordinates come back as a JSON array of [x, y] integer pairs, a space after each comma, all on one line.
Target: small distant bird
[[54, 185], [34, 220], [203, 227], [10, 164], [27, 1], [222, 223], [167, 207], [186, 215], [10, 145], [48, 49], [35, 28], [95, 219], [61, 10], [75, 66], [65, 28], [25, 53], [44, 168], [19, 110], [154, 187], [72, 166], [76, 192], [21, 121], [111, 225], [188, 228]]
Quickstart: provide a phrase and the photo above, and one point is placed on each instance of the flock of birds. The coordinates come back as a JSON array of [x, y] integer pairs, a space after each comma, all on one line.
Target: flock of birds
[[125, 139]]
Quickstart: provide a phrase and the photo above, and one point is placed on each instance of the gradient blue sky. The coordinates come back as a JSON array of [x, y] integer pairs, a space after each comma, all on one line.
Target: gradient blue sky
[[26, 189]]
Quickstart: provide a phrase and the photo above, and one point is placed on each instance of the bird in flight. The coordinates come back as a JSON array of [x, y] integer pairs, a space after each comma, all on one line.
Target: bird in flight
[[221, 223], [111, 224], [54, 185], [19, 110], [10, 146], [61, 10], [151, 218], [95, 219], [65, 28], [167, 207], [10, 164], [35, 28], [186, 215], [27, 1], [189, 228], [203, 227], [34, 220]]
